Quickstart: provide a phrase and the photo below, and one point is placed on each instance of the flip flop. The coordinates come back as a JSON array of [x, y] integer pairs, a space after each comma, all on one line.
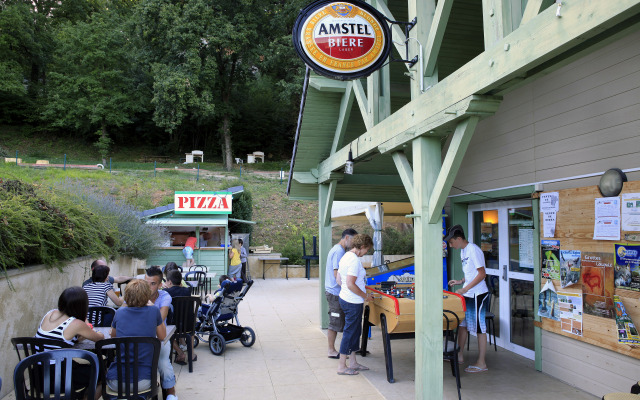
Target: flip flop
[[360, 368], [337, 356], [184, 361], [348, 371], [472, 369]]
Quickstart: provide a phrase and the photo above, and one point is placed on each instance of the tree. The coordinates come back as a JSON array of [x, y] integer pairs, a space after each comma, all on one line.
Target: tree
[[91, 86]]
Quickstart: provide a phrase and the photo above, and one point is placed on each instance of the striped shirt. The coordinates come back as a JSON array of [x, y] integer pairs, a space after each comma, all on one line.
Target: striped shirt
[[56, 333], [97, 292]]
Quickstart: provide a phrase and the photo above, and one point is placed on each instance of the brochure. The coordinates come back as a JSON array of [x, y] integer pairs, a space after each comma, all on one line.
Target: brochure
[[597, 284], [548, 302], [627, 331], [550, 263], [570, 312], [627, 268], [569, 267]]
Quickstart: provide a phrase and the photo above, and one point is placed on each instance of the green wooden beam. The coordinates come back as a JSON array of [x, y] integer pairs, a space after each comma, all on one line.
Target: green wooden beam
[[363, 103], [371, 179], [531, 45], [496, 21], [450, 165], [436, 33], [325, 200], [428, 263], [327, 85], [406, 174], [331, 176], [533, 8], [397, 34], [326, 213], [305, 177], [423, 11], [444, 122], [343, 117]]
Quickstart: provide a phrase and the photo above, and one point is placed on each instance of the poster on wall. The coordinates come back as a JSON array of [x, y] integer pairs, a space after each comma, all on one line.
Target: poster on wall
[[631, 212], [570, 312], [486, 236], [569, 267], [627, 331], [525, 247], [607, 219], [549, 224], [627, 267], [550, 202], [550, 263], [597, 284], [548, 302]]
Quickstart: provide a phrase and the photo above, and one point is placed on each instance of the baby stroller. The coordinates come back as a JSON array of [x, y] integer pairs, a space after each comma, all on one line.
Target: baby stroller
[[215, 320]]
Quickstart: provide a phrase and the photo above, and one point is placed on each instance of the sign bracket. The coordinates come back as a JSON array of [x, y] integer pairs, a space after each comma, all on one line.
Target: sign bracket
[[407, 26]]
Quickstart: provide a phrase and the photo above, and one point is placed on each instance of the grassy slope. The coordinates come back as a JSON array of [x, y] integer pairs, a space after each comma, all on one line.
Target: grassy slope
[[281, 221]]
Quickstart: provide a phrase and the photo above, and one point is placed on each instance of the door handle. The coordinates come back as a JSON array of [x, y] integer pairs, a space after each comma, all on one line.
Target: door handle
[[504, 273]]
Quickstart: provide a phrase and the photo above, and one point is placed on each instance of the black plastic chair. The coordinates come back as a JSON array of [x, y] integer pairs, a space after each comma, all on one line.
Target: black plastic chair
[[127, 362], [307, 258], [450, 344], [54, 382], [185, 313], [489, 319], [199, 267], [101, 317], [200, 279], [31, 345]]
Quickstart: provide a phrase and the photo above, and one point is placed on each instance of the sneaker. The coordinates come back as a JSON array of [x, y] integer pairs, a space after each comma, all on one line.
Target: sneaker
[[172, 397]]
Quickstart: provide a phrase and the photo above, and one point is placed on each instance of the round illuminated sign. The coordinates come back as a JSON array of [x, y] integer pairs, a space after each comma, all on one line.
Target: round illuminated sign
[[342, 40]]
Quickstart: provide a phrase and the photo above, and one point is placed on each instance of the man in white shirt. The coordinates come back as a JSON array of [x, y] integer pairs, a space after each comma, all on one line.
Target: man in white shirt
[[475, 291]]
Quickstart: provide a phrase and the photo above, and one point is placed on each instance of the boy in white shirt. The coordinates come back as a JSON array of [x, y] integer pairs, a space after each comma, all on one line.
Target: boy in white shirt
[[475, 292]]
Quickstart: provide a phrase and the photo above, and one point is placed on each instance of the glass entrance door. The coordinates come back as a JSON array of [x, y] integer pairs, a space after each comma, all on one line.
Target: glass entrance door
[[505, 233]]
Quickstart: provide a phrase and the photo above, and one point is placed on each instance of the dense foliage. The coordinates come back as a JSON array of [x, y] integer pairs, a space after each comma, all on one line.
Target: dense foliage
[[242, 209], [51, 226], [217, 76]]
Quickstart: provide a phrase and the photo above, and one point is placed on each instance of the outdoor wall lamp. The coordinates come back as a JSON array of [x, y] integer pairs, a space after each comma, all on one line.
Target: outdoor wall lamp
[[611, 182], [348, 166]]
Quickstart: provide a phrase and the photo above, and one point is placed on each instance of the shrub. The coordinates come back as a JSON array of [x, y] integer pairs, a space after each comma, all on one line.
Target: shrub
[[243, 209], [135, 238], [397, 242], [4, 152], [38, 231]]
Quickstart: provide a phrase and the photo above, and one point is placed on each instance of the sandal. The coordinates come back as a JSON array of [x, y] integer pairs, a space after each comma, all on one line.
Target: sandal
[[348, 371]]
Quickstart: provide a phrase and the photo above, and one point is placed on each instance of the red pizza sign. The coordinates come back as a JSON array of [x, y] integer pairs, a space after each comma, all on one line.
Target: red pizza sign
[[342, 40], [202, 202]]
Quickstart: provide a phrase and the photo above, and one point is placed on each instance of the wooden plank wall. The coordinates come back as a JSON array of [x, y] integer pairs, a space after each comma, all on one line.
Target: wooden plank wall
[[574, 230], [583, 118]]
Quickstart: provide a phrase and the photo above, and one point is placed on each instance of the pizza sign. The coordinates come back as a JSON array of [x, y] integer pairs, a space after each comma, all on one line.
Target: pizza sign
[[202, 202], [342, 40]]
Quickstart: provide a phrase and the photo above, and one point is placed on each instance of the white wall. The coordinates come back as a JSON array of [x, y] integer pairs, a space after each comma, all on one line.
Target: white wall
[[36, 291]]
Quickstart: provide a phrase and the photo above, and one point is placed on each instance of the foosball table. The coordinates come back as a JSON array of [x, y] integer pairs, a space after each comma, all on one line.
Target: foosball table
[[393, 309]]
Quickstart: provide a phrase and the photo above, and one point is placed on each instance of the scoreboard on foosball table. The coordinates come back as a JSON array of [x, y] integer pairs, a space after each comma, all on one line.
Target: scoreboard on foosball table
[[393, 309]]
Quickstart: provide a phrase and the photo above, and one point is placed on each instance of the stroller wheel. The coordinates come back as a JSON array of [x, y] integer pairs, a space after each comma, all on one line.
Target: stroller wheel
[[216, 343], [248, 337], [196, 341]]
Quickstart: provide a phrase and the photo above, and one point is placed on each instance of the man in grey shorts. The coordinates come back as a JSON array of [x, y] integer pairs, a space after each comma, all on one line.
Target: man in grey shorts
[[332, 289]]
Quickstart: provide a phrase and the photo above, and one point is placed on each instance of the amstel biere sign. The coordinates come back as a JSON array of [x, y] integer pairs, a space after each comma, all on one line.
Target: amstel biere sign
[[202, 202], [342, 40]]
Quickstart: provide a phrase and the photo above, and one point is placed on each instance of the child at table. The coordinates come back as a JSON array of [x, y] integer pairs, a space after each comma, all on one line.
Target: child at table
[[67, 324], [136, 319]]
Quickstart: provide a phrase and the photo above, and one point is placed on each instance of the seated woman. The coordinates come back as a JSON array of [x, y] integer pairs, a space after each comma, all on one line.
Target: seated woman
[[66, 324], [137, 319], [100, 288], [171, 266]]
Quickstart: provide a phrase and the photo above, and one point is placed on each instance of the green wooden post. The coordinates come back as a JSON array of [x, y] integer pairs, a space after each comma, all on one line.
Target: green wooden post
[[428, 262], [326, 192], [537, 332], [226, 248], [197, 255]]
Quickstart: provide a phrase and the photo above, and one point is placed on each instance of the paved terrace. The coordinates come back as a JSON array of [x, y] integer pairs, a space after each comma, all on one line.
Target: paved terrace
[[288, 361]]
